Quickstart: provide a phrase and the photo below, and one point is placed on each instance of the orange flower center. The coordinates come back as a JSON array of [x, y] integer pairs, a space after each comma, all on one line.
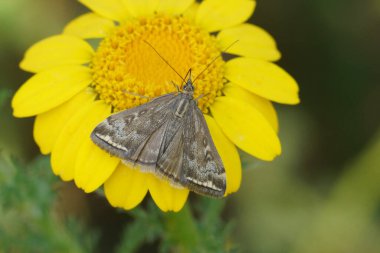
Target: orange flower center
[[126, 70]]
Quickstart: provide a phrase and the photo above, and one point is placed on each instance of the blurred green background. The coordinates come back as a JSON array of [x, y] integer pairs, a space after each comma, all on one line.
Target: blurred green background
[[321, 195]]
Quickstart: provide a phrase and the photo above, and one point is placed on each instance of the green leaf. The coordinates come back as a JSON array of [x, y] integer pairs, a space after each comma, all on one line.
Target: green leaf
[[28, 221], [199, 230], [4, 95], [146, 227]]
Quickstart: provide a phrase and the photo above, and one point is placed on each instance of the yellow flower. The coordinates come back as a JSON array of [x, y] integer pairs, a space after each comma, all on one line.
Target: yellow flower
[[76, 85]]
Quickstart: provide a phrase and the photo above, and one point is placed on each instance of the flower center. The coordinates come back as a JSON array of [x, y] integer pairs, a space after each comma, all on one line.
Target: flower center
[[126, 70]]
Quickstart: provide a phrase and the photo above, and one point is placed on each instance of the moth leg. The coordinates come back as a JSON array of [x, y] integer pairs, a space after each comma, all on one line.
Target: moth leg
[[135, 94], [201, 96], [176, 86]]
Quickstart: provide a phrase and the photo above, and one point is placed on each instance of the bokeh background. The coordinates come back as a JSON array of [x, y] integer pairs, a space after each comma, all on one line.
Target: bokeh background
[[321, 195]]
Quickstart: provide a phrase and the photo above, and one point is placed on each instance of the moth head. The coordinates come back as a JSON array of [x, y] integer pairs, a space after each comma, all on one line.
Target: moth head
[[189, 87]]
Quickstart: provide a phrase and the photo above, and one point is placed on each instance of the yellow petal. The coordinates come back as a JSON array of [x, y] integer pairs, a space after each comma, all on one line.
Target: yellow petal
[[74, 133], [49, 125], [263, 105], [214, 15], [246, 127], [174, 6], [93, 166], [112, 9], [141, 7], [56, 51], [229, 155], [89, 25], [48, 89], [126, 187], [191, 12], [166, 197], [263, 78], [253, 41]]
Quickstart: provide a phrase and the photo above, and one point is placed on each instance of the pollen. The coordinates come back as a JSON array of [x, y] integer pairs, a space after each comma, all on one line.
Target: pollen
[[127, 72]]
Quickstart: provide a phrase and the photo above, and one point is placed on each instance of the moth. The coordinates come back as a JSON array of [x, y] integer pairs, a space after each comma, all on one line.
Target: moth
[[168, 137]]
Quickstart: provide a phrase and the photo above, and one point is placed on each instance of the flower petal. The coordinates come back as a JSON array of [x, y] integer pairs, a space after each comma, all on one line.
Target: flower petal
[[56, 51], [126, 187], [229, 155], [166, 197], [263, 105], [74, 133], [263, 78], [89, 26], [141, 7], [174, 6], [48, 89], [93, 166], [191, 12], [214, 15], [112, 9], [246, 127], [253, 41], [49, 125]]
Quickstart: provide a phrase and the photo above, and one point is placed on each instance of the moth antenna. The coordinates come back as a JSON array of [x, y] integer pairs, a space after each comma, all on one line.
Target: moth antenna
[[188, 72], [213, 60], [165, 60]]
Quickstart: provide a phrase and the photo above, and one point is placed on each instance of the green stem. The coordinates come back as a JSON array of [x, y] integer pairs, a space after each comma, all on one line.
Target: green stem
[[182, 230]]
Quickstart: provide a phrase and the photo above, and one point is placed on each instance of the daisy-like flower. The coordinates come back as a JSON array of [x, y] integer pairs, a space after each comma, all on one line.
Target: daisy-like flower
[[101, 59]]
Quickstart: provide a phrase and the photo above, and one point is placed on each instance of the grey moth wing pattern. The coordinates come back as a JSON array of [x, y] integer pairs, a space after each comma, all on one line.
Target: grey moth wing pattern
[[168, 137], [122, 133], [207, 173]]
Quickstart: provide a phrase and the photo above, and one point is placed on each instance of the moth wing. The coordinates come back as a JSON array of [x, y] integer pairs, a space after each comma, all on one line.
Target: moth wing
[[203, 170], [169, 165], [149, 151], [126, 133]]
